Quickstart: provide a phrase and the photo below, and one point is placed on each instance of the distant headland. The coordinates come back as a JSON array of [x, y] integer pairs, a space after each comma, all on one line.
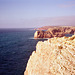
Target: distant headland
[[53, 31]]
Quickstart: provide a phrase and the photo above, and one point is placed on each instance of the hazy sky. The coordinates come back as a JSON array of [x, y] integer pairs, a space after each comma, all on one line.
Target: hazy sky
[[36, 13]]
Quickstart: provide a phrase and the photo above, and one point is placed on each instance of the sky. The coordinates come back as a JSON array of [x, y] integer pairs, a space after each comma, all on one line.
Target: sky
[[36, 13]]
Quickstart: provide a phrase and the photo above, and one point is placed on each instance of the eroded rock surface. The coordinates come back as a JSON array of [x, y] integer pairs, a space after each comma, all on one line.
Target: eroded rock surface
[[56, 56]]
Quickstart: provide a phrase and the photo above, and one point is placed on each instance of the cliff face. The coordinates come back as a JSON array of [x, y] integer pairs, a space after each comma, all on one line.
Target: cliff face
[[39, 34], [55, 32], [56, 56]]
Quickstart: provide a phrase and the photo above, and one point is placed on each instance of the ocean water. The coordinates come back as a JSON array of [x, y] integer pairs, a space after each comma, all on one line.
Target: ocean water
[[16, 46]]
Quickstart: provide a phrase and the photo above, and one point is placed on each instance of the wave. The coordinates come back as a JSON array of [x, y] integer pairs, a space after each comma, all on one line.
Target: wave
[[37, 38]]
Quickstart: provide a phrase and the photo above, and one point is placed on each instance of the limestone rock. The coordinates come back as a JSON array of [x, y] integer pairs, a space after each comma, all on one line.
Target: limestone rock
[[56, 56]]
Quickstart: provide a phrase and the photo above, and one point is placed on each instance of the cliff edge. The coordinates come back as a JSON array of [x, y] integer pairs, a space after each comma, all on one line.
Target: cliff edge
[[56, 56]]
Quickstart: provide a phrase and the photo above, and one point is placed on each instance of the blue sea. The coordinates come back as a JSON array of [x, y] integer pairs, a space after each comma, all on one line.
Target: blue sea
[[16, 46]]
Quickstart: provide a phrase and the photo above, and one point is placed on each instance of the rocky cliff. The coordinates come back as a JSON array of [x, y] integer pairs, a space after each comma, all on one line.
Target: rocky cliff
[[56, 56], [54, 32]]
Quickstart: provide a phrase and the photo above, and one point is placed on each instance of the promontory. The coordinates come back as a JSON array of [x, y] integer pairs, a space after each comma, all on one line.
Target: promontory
[[53, 31]]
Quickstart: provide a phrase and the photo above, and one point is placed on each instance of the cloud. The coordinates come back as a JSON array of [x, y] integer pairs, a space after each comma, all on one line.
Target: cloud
[[68, 4]]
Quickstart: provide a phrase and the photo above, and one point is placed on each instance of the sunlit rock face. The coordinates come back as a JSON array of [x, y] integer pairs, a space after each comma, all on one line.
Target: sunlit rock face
[[56, 56], [39, 34]]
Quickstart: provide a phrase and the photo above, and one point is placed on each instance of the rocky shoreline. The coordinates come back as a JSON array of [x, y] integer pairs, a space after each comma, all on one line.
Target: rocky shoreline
[[56, 56], [54, 31]]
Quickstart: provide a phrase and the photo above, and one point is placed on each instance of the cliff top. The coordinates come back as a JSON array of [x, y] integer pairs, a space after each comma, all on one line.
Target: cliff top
[[47, 27]]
